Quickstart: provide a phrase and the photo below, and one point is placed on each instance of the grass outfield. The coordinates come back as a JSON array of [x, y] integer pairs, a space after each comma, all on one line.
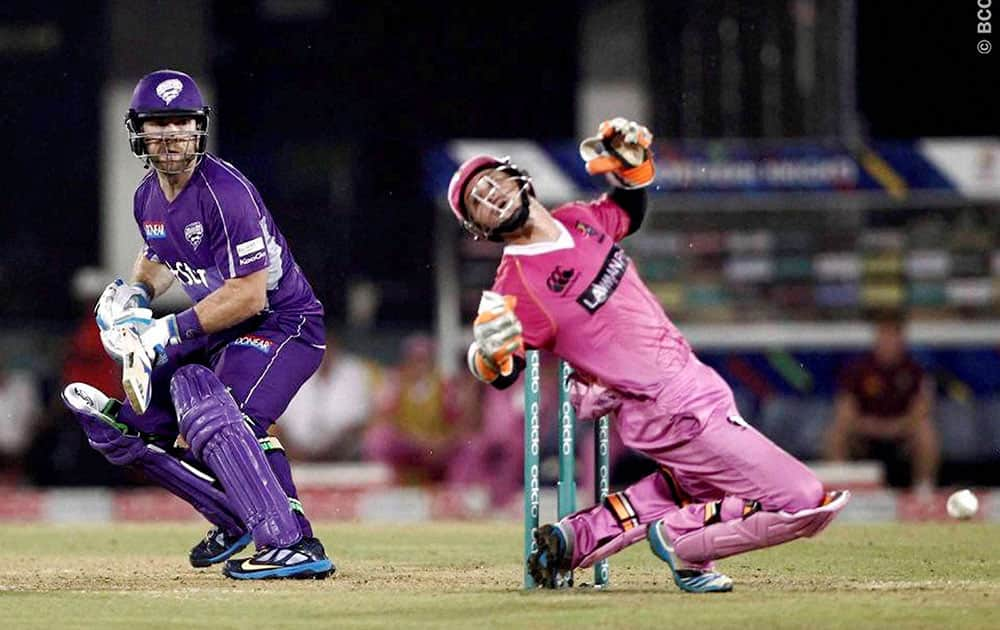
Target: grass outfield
[[468, 575]]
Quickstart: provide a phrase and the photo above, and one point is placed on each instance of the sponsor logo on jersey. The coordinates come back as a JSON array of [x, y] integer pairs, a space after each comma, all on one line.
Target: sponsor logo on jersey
[[560, 279], [154, 229], [248, 247], [588, 231], [188, 275], [169, 90], [606, 281], [193, 233], [246, 260], [262, 344]]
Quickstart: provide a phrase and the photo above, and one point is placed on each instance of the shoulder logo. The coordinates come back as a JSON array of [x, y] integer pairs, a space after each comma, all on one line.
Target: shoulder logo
[[154, 229], [169, 90], [193, 233], [589, 231], [559, 279]]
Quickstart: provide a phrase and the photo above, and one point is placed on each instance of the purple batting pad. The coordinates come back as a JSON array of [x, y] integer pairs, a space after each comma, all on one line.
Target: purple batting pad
[[213, 426], [193, 486], [117, 448], [162, 468]]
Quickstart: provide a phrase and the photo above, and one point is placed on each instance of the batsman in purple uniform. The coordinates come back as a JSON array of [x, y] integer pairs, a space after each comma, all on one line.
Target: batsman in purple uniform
[[226, 368]]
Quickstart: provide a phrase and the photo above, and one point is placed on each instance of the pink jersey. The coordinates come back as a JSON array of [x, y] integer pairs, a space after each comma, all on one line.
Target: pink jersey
[[581, 297]]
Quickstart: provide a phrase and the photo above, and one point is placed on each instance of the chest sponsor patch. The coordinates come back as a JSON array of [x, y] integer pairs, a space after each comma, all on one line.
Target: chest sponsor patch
[[606, 281], [154, 229], [248, 247], [262, 344]]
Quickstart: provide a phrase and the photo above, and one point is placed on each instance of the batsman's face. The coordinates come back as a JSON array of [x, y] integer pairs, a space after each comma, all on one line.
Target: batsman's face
[[171, 143], [491, 196]]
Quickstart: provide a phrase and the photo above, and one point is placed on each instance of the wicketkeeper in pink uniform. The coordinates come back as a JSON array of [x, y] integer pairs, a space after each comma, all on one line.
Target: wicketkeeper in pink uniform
[[565, 284]]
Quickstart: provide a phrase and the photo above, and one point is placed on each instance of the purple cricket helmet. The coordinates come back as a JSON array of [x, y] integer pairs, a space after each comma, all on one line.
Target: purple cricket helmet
[[166, 94], [460, 180]]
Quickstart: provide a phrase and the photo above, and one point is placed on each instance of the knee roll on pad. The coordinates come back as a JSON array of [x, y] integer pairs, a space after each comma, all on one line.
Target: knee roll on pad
[[203, 406]]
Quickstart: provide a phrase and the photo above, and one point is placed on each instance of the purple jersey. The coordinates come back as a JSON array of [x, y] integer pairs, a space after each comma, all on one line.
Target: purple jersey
[[218, 228]]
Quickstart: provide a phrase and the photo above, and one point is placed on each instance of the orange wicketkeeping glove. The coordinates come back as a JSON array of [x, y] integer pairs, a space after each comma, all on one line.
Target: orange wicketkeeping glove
[[498, 337], [621, 151]]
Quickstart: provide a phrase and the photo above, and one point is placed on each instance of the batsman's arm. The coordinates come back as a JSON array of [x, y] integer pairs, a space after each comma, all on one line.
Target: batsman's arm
[[235, 301], [153, 276]]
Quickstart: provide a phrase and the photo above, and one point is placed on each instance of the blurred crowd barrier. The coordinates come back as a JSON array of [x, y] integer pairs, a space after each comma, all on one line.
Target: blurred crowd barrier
[[380, 412]]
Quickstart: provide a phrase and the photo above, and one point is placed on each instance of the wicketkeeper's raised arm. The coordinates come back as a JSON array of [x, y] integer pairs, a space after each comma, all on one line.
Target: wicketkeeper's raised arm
[[621, 152]]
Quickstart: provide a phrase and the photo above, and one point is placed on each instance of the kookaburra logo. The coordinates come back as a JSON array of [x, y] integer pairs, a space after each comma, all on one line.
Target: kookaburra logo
[[169, 90]]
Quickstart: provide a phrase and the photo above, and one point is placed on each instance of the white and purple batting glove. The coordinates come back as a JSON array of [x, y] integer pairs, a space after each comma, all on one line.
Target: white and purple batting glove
[[159, 334], [117, 298]]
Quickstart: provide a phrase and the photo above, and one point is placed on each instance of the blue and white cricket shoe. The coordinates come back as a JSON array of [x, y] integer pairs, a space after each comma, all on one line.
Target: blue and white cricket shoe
[[689, 580], [217, 546], [305, 560]]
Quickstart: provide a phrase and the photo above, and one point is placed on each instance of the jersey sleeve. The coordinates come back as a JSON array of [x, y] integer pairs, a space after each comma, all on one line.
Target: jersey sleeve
[[239, 242], [539, 327], [138, 200], [610, 217]]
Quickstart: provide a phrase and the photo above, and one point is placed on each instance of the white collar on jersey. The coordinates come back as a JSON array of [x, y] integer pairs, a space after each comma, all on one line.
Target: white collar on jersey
[[565, 241]]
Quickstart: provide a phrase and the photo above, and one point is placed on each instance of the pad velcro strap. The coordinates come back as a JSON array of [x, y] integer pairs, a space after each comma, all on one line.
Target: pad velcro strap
[[681, 499], [713, 513], [619, 505], [270, 443], [751, 507], [296, 506]]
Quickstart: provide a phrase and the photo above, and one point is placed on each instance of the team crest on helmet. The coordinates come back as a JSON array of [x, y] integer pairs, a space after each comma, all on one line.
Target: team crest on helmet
[[169, 90], [193, 233]]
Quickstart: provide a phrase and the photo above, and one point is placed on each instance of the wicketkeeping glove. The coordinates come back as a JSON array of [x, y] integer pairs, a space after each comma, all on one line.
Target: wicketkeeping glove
[[621, 151], [498, 337]]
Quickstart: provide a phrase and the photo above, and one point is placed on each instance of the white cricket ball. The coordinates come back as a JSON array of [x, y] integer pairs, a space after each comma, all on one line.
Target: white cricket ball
[[962, 505]]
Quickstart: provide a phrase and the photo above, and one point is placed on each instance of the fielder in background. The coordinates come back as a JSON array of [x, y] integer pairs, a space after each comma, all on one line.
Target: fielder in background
[[564, 284], [226, 368]]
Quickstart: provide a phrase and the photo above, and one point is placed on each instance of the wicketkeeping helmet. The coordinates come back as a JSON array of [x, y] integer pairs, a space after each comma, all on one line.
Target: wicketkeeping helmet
[[509, 216], [166, 94]]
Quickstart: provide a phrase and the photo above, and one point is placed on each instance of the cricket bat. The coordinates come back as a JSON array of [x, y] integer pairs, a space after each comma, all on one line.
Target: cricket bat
[[136, 371]]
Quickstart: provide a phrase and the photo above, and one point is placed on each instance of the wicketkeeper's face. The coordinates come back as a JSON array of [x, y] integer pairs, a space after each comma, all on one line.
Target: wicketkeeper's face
[[492, 196]]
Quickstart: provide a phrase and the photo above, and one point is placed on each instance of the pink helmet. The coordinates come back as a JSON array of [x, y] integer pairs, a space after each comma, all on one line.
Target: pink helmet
[[456, 189], [461, 179]]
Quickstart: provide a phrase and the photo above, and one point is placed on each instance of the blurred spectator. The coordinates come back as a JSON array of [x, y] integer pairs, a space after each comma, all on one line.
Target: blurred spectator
[[415, 430], [59, 453], [85, 360], [883, 411], [327, 418], [21, 406]]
